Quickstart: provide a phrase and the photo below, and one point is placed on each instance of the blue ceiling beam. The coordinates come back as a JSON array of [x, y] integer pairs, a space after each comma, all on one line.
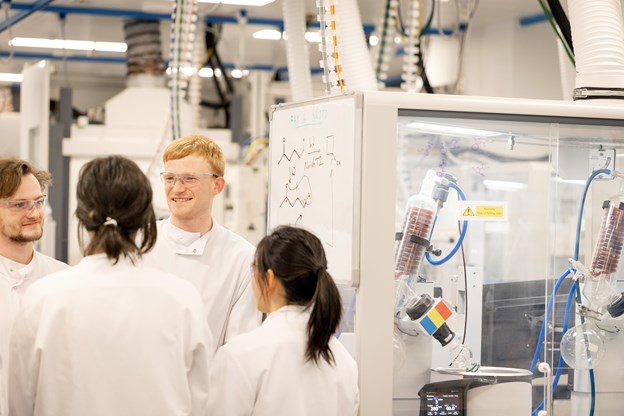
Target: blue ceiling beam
[[74, 58], [531, 20], [94, 11], [139, 14], [18, 17], [111, 60]]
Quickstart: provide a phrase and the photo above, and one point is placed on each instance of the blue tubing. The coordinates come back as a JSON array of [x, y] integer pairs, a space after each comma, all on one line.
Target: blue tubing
[[540, 341], [580, 215], [578, 289], [461, 235], [560, 362]]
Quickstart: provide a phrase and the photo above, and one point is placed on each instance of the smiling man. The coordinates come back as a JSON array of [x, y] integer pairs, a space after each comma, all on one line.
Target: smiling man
[[22, 213], [194, 247]]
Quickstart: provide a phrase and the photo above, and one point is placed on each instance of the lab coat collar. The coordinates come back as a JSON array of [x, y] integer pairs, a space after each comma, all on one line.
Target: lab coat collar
[[288, 313], [189, 243], [16, 273]]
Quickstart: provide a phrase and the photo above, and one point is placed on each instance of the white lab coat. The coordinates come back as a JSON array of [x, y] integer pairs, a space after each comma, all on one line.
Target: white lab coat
[[103, 339], [218, 264], [15, 278], [263, 373]]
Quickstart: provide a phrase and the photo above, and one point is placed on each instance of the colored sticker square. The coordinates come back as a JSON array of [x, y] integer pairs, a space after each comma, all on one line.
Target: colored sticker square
[[428, 325], [436, 318], [444, 310]]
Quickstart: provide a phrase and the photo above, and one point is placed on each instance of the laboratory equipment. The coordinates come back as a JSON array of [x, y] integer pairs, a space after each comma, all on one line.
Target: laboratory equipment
[[490, 391], [430, 316], [522, 164], [420, 214], [420, 313], [582, 346]]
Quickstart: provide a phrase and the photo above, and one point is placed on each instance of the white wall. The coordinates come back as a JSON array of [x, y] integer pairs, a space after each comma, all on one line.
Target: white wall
[[509, 60]]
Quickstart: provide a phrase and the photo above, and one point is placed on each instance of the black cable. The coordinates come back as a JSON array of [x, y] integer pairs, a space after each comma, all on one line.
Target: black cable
[[423, 75], [213, 105], [465, 284], [562, 21], [421, 67], [228, 83]]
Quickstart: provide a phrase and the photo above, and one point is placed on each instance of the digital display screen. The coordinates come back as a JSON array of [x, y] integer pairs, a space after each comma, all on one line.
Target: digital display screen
[[444, 404]]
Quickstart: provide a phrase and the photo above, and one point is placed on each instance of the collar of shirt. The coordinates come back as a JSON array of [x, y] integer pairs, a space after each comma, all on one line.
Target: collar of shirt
[[16, 273], [291, 313], [188, 243]]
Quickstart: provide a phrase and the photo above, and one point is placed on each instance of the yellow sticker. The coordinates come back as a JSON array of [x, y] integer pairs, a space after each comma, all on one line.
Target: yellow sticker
[[491, 211], [482, 210]]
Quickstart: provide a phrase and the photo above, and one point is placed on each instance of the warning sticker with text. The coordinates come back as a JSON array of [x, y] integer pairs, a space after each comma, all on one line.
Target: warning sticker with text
[[482, 210]]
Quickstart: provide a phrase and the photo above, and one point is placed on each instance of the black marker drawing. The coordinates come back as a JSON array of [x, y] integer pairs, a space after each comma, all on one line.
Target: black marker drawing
[[301, 193], [294, 152]]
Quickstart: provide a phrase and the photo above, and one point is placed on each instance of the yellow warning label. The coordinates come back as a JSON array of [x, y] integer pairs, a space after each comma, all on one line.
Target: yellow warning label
[[482, 210], [468, 213], [490, 211]]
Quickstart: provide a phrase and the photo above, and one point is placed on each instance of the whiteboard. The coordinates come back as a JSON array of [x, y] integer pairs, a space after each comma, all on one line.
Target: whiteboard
[[314, 176]]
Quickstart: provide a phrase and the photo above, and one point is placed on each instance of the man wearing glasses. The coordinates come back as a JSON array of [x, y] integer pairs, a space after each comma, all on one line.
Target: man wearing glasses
[[22, 212], [193, 246]]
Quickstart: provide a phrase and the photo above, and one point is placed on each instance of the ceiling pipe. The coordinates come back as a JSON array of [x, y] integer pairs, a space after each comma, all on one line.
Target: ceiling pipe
[[598, 37], [297, 50]]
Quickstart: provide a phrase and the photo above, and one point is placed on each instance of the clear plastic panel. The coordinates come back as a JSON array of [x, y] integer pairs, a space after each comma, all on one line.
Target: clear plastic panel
[[523, 179]]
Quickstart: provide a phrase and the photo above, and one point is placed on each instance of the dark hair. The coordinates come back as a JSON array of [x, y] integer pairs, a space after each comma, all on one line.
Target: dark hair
[[113, 190], [298, 261], [12, 171]]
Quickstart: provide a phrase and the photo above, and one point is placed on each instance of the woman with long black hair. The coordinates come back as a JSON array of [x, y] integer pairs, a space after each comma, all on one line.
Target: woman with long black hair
[[292, 365]]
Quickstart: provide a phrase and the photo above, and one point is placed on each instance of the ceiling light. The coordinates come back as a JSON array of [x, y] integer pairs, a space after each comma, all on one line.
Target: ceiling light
[[8, 77], [373, 40], [239, 2], [451, 130], [268, 34], [504, 185], [206, 72], [79, 45], [273, 34], [313, 37]]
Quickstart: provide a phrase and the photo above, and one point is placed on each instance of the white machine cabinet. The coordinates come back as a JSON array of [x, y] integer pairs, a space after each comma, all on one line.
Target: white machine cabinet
[[522, 166]]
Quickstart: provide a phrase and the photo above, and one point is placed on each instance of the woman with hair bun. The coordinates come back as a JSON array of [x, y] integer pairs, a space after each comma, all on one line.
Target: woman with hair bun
[[111, 336], [292, 365]]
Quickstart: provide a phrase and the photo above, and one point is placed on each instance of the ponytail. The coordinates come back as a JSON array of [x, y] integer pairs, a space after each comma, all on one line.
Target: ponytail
[[298, 261], [114, 205], [324, 318]]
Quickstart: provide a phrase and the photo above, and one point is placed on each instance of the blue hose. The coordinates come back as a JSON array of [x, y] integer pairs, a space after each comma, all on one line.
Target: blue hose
[[580, 215], [574, 290], [540, 341], [565, 328], [579, 300], [462, 234]]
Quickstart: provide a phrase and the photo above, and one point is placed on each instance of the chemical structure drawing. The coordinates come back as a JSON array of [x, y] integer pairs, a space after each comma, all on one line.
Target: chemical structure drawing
[[309, 163], [300, 194], [330, 150], [480, 143], [480, 169], [292, 154]]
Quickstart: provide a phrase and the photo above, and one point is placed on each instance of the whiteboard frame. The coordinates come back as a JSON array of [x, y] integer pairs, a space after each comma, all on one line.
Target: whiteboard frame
[[354, 279]]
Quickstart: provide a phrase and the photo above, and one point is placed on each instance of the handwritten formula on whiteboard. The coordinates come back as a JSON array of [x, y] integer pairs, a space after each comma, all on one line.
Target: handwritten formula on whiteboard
[[312, 176]]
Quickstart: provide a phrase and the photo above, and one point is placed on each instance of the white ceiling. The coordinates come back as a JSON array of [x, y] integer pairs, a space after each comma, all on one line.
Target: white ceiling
[[236, 45]]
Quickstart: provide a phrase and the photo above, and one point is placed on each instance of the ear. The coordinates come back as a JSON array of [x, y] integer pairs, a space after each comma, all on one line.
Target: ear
[[272, 283], [218, 186]]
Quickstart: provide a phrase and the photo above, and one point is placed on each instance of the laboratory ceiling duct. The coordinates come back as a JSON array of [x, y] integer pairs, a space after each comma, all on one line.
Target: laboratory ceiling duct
[[598, 37], [144, 51], [297, 54]]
